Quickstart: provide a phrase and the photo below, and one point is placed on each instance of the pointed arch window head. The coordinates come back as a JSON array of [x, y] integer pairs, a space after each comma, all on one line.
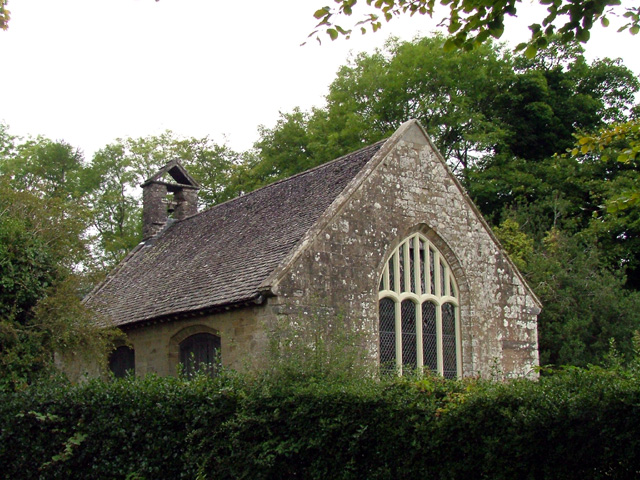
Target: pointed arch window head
[[419, 311]]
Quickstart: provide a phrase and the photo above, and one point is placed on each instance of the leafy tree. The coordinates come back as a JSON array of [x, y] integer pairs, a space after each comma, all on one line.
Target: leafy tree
[[41, 240], [111, 184], [44, 259], [547, 100], [282, 151], [113, 180], [619, 142], [482, 107], [586, 303], [7, 142], [613, 152], [450, 93], [562, 193], [515, 241], [41, 184], [42, 166], [472, 22]]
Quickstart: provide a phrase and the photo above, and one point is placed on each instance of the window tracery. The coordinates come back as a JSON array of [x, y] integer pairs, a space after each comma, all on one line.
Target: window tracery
[[419, 322]]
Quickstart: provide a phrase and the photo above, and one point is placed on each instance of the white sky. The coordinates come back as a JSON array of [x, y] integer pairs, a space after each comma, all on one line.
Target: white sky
[[90, 71]]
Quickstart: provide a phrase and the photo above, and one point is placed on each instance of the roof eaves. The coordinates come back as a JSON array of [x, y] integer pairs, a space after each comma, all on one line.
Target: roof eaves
[[254, 300]]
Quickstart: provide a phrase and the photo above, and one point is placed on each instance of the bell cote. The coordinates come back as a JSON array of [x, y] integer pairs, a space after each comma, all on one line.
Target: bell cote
[[169, 194]]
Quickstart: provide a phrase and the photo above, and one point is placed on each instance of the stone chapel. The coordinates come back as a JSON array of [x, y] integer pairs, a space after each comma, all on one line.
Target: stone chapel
[[384, 239]]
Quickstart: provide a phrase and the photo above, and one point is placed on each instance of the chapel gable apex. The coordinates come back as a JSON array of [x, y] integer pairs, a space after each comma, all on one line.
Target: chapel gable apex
[[410, 135]]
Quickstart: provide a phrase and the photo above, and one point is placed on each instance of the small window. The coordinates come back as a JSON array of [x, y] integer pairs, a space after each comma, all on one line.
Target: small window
[[419, 313], [122, 361], [200, 353]]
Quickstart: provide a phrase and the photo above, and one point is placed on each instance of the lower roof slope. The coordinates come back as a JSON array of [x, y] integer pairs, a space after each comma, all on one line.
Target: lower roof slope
[[220, 257]]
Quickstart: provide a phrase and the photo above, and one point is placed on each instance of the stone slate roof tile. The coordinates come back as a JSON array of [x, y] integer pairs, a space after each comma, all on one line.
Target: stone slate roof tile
[[219, 257]]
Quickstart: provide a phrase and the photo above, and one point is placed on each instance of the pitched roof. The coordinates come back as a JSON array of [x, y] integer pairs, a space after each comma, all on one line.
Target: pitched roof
[[220, 257], [176, 171]]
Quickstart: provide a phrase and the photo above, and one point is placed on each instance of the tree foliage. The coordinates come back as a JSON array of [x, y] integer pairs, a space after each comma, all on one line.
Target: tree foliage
[[42, 249], [619, 142], [112, 184], [477, 106], [586, 302], [40, 309], [471, 22]]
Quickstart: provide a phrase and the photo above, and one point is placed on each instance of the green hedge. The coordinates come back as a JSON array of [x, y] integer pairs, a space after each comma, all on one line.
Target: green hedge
[[573, 425]]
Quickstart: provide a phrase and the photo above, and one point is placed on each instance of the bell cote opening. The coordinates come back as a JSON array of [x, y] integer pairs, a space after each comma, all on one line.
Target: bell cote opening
[[170, 193]]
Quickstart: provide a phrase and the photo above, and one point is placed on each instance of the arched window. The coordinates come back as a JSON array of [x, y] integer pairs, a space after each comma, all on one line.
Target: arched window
[[122, 360], [419, 311], [200, 352]]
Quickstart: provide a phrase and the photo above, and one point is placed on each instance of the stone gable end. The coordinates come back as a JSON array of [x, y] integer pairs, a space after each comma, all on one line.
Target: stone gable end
[[406, 189]]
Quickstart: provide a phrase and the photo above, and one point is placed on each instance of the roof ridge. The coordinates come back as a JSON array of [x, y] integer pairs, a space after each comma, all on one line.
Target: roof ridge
[[318, 167], [283, 180]]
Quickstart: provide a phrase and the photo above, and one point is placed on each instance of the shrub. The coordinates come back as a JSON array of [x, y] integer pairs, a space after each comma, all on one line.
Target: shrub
[[574, 424]]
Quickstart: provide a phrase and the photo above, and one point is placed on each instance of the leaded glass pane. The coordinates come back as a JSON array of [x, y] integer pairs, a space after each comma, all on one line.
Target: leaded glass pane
[[423, 267], [409, 348], [432, 270], [449, 358], [429, 341], [443, 284], [387, 334], [392, 273], [452, 287], [402, 267], [412, 267]]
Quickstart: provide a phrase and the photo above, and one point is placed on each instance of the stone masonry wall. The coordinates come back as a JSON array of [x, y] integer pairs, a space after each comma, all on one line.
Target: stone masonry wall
[[411, 190], [242, 334]]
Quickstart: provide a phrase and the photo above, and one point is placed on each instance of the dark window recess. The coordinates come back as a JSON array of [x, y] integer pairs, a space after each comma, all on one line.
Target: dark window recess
[[387, 335], [412, 268], [403, 287], [122, 360], [429, 336], [408, 315], [423, 268], [432, 269], [200, 353], [392, 273], [449, 359]]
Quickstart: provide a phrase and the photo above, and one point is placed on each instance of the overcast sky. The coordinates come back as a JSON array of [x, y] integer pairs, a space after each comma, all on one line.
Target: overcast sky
[[90, 71]]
